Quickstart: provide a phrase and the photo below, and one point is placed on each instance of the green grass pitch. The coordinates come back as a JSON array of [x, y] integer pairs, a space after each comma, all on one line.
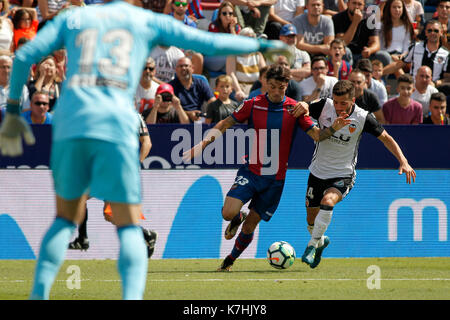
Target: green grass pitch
[[251, 279]]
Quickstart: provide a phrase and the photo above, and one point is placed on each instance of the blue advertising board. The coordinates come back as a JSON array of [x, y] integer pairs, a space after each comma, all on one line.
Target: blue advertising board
[[425, 146]]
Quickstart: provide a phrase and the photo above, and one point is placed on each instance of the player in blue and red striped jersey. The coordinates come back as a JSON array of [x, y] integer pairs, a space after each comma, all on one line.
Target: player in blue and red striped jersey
[[274, 119]]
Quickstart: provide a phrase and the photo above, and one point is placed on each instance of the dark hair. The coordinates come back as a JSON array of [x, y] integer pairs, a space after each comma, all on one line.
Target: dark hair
[[340, 41], [357, 70], [279, 73], [433, 21], [387, 22], [24, 40], [19, 15], [406, 78], [364, 65], [343, 87], [263, 70], [438, 96], [319, 58]]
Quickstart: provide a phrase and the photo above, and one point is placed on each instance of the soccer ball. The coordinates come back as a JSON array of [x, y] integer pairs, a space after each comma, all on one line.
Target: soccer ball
[[281, 255]]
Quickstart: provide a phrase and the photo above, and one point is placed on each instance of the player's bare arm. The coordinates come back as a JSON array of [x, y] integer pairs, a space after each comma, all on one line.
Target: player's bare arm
[[394, 148], [321, 134], [212, 135]]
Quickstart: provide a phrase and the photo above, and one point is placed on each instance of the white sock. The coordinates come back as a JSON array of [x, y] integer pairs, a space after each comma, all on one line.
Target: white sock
[[321, 223], [310, 228]]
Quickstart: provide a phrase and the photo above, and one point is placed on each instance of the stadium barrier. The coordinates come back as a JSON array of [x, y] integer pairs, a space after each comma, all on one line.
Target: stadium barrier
[[381, 217]]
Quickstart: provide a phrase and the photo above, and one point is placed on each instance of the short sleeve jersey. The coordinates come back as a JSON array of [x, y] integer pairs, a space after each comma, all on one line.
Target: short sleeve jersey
[[274, 131], [336, 156]]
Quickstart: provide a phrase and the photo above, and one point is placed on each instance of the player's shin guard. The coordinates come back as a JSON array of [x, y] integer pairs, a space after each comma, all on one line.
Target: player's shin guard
[[51, 256], [242, 242], [321, 223], [132, 262]]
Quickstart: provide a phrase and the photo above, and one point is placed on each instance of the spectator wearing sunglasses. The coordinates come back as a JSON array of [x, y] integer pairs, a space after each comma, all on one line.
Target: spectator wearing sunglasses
[[180, 12], [429, 53], [226, 21], [179, 9], [146, 90], [39, 106]]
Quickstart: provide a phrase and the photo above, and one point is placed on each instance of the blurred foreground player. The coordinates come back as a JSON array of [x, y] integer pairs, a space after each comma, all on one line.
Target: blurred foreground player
[[150, 236], [95, 149]]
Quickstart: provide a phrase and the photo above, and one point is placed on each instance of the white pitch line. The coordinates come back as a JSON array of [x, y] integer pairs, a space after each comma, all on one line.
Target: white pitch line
[[237, 280]]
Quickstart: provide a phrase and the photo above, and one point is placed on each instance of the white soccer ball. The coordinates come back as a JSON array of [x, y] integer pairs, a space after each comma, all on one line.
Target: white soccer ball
[[281, 255]]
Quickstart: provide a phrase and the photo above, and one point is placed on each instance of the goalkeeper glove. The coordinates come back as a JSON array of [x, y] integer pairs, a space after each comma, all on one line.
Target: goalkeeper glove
[[11, 131]]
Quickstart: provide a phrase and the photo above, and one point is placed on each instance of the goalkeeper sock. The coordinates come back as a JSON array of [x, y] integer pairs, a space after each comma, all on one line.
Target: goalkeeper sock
[[242, 242], [321, 223], [132, 262], [51, 256]]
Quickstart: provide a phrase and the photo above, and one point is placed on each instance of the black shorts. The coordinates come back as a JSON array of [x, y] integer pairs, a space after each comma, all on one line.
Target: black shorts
[[317, 187]]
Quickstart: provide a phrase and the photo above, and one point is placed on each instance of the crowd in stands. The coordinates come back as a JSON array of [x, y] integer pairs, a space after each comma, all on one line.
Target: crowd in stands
[[395, 53]]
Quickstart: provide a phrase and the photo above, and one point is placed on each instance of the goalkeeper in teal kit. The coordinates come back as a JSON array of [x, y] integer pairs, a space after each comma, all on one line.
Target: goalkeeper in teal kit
[[94, 125]]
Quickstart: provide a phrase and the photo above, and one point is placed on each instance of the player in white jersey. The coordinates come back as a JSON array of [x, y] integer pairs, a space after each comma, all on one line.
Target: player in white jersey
[[94, 135], [332, 170]]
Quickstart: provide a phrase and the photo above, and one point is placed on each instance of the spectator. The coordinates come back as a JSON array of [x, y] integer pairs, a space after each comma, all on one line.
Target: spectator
[[428, 53], [179, 9], [6, 28], [403, 109], [5, 72], [244, 70], [315, 30], [293, 90], [301, 62], [39, 106], [61, 64], [166, 108], [443, 11], [365, 98], [365, 65], [180, 13], [377, 70], [193, 92], [331, 7], [226, 22], [262, 82], [166, 60], [223, 106], [438, 105], [282, 13], [45, 80], [318, 85], [25, 24], [415, 11], [253, 14], [47, 9], [397, 31], [337, 66], [146, 90], [359, 34], [423, 88]]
